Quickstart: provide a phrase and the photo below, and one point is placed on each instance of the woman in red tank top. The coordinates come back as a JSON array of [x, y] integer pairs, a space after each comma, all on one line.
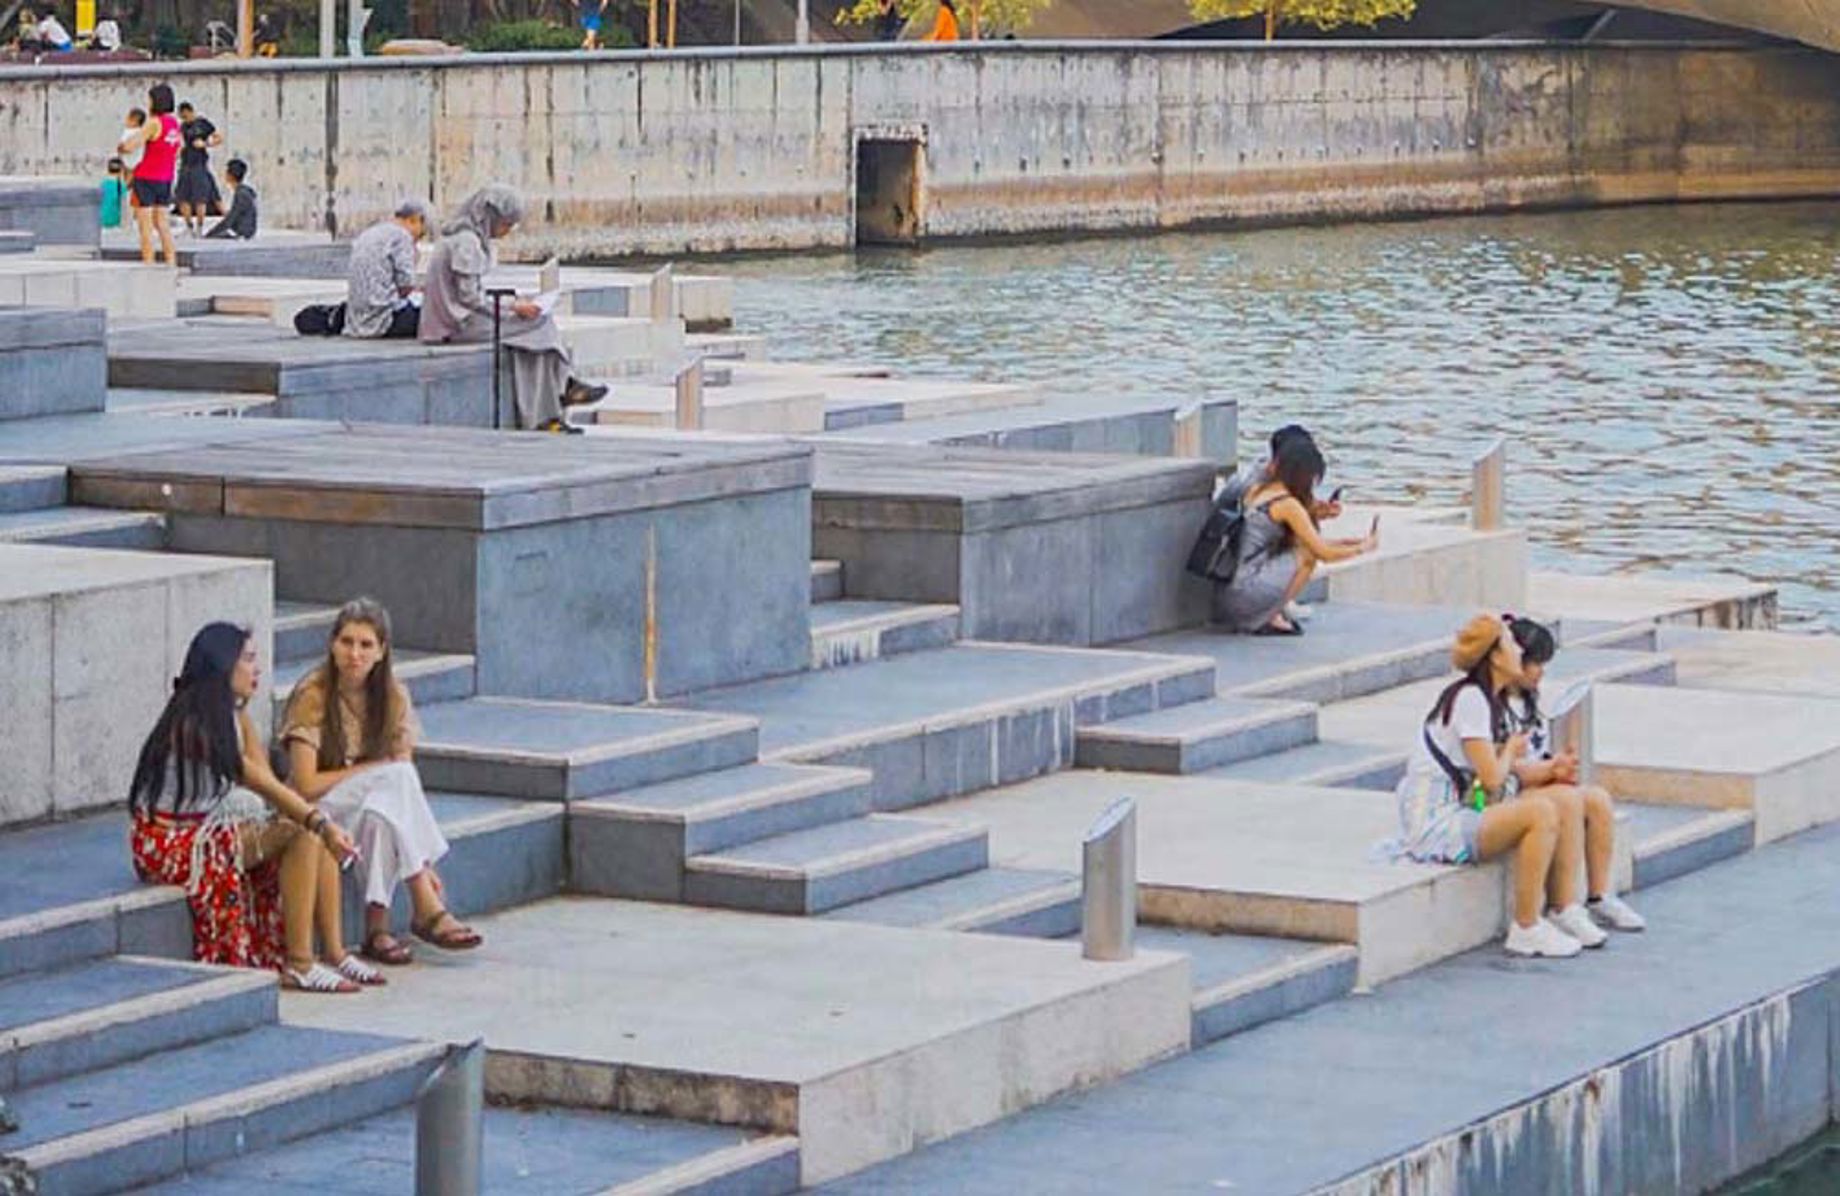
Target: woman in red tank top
[[153, 176]]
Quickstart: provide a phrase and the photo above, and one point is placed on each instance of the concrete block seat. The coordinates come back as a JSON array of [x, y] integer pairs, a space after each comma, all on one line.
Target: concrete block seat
[[752, 406], [17, 240], [854, 400], [629, 1006], [121, 290], [1037, 547], [1428, 564], [1197, 736], [1032, 903], [1753, 661], [826, 581], [93, 639], [275, 252], [1716, 602], [1775, 756], [1328, 763], [53, 361], [330, 377], [58, 440], [704, 302], [541, 1151], [56, 210], [937, 723], [1665, 1049], [1246, 980], [1128, 424], [535, 554], [148, 1119], [235, 404], [1249, 858]]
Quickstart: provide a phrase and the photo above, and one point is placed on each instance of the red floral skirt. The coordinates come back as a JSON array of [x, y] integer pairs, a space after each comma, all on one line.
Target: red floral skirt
[[236, 915]]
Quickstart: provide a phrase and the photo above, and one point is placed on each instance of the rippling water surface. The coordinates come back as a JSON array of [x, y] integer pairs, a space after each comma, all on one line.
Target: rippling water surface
[[1670, 377]]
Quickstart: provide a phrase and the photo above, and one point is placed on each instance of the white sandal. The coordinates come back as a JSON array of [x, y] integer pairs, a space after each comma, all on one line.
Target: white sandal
[[358, 972], [317, 979]]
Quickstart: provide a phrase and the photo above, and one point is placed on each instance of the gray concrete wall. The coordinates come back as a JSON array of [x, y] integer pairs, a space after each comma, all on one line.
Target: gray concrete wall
[[717, 150]]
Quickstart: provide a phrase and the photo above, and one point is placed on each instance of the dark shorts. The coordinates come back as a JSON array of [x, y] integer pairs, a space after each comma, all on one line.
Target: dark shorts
[[149, 194], [591, 19]]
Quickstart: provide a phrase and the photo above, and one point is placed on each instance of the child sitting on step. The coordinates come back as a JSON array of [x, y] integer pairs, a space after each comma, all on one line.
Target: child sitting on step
[[1585, 812]]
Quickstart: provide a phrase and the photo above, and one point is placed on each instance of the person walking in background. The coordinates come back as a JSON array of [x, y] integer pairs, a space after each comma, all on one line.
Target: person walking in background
[[158, 141], [889, 22], [196, 191], [381, 276], [591, 13], [945, 23], [239, 224]]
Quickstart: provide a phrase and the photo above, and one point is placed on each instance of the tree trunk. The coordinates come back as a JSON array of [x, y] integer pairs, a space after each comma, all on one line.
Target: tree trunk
[[1271, 20], [977, 19]]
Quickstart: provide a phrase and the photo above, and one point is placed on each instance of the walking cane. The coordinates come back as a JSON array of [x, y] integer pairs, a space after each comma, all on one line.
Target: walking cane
[[498, 294]]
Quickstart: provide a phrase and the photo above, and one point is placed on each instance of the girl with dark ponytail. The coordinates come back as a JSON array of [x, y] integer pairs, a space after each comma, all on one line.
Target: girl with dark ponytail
[[1587, 815], [259, 866]]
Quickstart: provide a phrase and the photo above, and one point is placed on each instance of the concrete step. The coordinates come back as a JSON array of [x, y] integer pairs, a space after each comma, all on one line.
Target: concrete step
[[810, 871], [1246, 980], [430, 677], [1329, 763], [562, 751], [502, 852], [31, 487], [234, 404], [1776, 756], [1014, 901], [91, 1015], [635, 843], [954, 720], [1196, 736], [534, 1151], [302, 630], [846, 632], [84, 527], [826, 581], [1348, 650], [1672, 841], [90, 906], [149, 1119]]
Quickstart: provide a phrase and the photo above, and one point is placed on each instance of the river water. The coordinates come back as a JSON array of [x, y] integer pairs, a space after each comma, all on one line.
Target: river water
[[1669, 376]]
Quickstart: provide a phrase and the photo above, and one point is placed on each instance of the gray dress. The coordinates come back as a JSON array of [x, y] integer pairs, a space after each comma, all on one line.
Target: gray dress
[[456, 309], [1266, 566]]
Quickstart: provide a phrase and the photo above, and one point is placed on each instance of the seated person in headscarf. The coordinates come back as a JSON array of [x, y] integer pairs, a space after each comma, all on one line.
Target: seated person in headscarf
[[381, 276], [456, 308]]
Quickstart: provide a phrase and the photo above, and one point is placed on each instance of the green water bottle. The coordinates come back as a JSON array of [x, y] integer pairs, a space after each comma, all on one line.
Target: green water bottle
[[1478, 796]]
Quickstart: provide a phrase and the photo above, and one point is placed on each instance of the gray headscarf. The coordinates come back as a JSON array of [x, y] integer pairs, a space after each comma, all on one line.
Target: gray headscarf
[[486, 208]]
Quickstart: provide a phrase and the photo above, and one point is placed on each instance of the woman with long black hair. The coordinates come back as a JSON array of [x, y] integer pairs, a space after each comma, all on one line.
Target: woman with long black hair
[[1280, 544], [350, 735], [259, 865]]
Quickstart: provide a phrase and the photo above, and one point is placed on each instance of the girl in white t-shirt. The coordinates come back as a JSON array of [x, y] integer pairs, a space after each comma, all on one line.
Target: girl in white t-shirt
[[1460, 802], [1587, 816]]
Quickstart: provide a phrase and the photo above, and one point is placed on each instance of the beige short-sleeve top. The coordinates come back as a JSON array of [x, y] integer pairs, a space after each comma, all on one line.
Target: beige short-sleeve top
[[306, 715]]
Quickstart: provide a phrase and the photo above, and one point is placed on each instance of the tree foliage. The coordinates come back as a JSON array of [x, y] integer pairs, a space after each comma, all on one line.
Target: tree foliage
[[979, 18], [1323, 14]]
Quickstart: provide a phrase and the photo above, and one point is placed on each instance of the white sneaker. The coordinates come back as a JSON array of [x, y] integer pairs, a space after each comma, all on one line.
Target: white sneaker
[[1612, 911], [1542, 938], [1297, 612], [1575, 922]]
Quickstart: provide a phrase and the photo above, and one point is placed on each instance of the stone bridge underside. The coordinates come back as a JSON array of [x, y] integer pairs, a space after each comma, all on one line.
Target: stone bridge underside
[[1816, 22]]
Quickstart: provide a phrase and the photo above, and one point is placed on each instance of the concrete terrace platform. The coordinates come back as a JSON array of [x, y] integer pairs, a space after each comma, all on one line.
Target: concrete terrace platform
[[1722, 602], [882, 1039], [284, 253], [1777, 756], [125, 291], [1068, 424], [474, 539], [55, 210], [52, 362], [90, 640], [936, 723], [1348, 649], [1037, 547], [1753, 661], [1426, 563], [63, 439], [1250, 858], [1690, 1054], [321, 377]]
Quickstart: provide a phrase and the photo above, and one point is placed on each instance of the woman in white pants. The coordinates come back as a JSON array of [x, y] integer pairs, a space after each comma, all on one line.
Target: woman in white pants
[[350, 737]]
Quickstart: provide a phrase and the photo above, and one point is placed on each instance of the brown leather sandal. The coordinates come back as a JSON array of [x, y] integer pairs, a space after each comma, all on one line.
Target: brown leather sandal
[[385, 948], [457, 937]]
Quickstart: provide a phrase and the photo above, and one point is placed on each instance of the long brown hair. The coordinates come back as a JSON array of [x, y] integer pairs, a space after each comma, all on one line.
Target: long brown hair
[[380, 711]]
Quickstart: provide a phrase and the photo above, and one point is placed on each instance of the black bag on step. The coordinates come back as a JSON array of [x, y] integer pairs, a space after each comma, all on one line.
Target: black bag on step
[[1215, 556], [320, 319]]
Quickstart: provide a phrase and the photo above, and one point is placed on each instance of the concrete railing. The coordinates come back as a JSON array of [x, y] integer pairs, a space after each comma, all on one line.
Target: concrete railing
[[715, 150]]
